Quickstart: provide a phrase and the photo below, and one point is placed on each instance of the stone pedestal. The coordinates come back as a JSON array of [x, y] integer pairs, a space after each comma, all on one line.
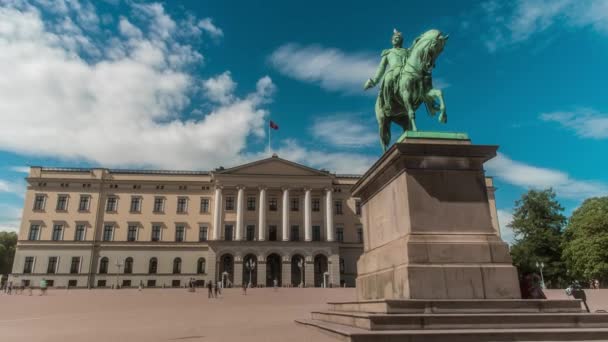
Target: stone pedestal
[[428, 228]]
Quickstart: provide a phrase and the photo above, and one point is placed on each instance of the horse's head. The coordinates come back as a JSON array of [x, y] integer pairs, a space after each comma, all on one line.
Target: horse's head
[[426, 48]]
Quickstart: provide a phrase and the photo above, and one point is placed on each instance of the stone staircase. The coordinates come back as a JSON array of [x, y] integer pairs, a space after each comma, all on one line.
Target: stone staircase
[[460, 321]]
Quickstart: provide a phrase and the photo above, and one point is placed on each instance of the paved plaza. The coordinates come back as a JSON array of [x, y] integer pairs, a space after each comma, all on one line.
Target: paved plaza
[[176, 315]]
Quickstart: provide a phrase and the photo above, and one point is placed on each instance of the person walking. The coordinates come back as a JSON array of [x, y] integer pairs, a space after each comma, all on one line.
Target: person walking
[[210, 289], [9, 289], [217, 288], [43, 287], [275, 284], [244, 288]]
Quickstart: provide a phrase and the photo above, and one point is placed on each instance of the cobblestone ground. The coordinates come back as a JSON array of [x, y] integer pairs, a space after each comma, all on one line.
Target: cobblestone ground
[[176, 315]]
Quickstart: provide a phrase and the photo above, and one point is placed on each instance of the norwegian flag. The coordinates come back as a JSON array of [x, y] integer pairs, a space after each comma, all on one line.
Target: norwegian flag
[[273, 125]]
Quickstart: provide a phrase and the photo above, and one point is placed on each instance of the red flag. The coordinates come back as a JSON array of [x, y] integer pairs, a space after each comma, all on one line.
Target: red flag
[[273, 125]]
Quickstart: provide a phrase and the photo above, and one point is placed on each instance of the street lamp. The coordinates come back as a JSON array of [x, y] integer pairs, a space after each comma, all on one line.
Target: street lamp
[[250, 266], [542, 278], [301, 267], [118, 265]]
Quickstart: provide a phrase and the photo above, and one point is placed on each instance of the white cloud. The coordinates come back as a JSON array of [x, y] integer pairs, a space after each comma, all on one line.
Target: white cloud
[[10, 218], [504, 219], [515, 22], [20, 169], [344, 130], [121, 108], [528, 176], [220, 89], [13, 187], [208, 26], [586, 123]]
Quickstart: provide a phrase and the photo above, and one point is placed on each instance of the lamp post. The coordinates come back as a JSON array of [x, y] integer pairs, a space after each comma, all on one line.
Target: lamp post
[[540, 266], [301, 267], [118, 265], [250, 266]]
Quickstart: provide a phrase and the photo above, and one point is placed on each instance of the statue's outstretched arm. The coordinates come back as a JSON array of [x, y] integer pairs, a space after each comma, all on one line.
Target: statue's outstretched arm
[[379, 73]]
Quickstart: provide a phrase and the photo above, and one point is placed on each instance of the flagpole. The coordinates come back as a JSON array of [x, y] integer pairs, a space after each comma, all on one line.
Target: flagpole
[[268, 137]]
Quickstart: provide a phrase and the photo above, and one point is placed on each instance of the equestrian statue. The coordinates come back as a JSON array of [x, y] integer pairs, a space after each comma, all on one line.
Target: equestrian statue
[[405, 78]]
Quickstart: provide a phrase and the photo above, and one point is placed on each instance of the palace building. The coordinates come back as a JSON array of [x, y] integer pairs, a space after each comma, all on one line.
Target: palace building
[[256, 223]]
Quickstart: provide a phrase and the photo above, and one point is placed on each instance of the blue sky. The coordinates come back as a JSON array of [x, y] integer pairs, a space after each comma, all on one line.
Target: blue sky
[[192, 86]]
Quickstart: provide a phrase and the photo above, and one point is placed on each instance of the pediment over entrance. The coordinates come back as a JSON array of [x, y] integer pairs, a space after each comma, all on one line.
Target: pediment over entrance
[[274, 166]]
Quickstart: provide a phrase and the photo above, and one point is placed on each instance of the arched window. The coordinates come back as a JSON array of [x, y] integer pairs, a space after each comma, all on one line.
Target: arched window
[[200, 266], [103, 265], [128, 265], [177, 266], [153, 266]]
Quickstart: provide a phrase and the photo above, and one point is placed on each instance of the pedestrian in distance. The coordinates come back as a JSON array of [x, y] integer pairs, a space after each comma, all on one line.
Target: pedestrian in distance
[[210, 289], [43, 287], [217, 288], [9, 289], [275, 284], [244, 288]]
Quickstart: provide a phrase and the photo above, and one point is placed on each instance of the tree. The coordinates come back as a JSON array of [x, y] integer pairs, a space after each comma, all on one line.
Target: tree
[[586, 240], [538, 226], [8, 242]]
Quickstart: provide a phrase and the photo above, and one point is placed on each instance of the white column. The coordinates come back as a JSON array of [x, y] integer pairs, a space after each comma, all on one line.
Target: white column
[[239, 213], [307, 214], [329, 215], [217, 213], [262, 220], [285, 214]]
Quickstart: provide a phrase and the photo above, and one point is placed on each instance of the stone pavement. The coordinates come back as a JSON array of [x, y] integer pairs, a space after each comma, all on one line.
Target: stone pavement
[[176, 315]]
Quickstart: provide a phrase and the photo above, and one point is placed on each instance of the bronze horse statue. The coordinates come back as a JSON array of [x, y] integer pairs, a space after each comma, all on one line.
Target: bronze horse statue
[[408, 83]]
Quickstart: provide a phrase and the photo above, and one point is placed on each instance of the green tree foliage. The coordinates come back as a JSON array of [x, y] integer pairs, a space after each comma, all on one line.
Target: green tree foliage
[[586, 240], [8, 242], [538, 226]]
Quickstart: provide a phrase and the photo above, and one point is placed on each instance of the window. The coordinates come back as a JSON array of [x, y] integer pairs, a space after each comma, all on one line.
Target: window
[[182, 205], [128, 265], [62, 202], [52, 265], [135, 204], [179, 233], [338, 207], [159, 204], [111, 204], [230, 203], [175, 283], [83, 205], [340, 234], [50, 282], [177, 266], [342, 267], [251, 203], [272, 204], [151, 283], [57, 232], [295, 233], [126, 283], [79, 234], [103, 266], [204, 205], [295, 204], [153, 266], [358, 207], [360, 234], [28, 265], [316, 204], [272, 233], [156, 232], [228, 232], [39, 202], [316, 233], [72, 283], [108, 231], [25, 282], [132, 233], [101, 283], [34, 232], [75, 265], [202, 233], [250, 232], [200, 266]]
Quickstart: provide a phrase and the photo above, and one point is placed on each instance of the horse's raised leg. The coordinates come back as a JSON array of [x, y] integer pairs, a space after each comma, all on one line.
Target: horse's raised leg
[[437, 93], [384, 128]]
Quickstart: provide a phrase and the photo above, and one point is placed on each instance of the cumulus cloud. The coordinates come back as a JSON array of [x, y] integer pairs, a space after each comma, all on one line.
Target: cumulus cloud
[[529, 176], [344, 130], [518, 21], [12, 187], [10, 218], [20, 169], [505, 218], [586, 123], [122, 107]]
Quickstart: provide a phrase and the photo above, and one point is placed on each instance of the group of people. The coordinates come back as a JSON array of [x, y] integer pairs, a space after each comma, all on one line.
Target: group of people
[[214, 290], [9, 289]]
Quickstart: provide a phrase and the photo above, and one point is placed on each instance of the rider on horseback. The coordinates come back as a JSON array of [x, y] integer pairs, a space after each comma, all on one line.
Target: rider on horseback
[[390, 67]]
